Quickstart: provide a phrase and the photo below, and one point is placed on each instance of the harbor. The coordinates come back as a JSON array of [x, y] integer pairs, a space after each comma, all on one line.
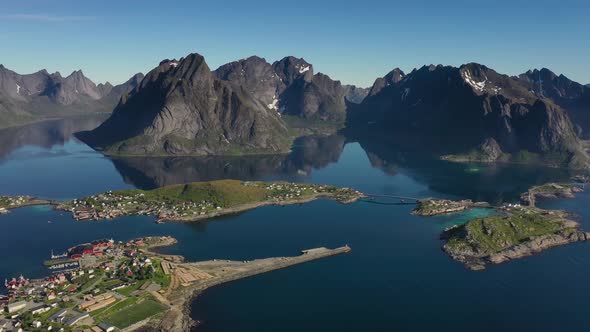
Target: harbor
[[104, 275]]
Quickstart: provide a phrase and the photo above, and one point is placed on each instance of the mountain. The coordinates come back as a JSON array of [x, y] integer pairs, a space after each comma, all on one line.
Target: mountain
[[290, 87], [355, 94], [571, 96], [392, 77], [468, 113], [182, 108], [244, 107], [31, 97]]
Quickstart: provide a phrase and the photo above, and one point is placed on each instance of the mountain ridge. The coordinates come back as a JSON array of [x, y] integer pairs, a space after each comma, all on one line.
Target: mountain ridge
[[40, 95], [473, 113], [249, 106]]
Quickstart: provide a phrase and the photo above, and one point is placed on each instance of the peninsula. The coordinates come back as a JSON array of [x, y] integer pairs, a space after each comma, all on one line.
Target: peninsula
[[13, 202], [202, 200], [550, 190], [128, 286]]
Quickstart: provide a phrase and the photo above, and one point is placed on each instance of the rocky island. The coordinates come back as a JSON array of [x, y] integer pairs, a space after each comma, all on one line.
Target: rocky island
[[432, 206], [127, 286], [550, 190], [517, 231], [202, 200]]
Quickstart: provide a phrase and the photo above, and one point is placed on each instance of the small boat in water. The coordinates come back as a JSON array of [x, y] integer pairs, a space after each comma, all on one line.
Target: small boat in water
[[49, 222]]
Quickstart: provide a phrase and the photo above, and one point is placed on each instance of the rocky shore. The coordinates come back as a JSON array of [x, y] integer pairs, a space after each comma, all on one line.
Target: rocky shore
[[518, 232], [550, 190], [191, 279]]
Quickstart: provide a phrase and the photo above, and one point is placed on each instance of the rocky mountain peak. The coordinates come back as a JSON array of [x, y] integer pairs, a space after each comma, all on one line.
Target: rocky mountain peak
[[392, 77], [257, 77], [182, 108], [291, 68], [472, 109]]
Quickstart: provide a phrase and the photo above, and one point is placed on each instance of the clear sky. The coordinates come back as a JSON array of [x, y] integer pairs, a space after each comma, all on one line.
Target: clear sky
[[353, 41]]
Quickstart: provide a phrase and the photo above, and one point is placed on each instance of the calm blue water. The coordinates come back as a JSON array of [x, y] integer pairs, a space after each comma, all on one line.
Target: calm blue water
[[395, 279]]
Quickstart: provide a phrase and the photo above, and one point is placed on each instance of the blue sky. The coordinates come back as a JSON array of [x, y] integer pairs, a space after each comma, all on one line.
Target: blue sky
[[353, 41]]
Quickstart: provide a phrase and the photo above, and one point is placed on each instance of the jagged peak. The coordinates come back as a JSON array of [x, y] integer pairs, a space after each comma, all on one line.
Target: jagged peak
[[252, 58], [76, 73], [189, 58]]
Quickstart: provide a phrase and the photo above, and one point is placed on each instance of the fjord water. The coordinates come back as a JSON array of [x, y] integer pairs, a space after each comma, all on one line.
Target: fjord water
[[395, 278]]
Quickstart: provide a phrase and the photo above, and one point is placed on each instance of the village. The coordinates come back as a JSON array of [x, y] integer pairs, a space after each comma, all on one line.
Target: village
[[109, 275], [123, 286], [204, 201]]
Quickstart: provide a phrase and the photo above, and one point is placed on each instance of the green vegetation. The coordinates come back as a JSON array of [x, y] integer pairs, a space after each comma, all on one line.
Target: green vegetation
[[9, 202], [198, 199], [430, 207], [100, 314], [130, 314], [159, 277], [130, 289], [486, 236], [552, 188]]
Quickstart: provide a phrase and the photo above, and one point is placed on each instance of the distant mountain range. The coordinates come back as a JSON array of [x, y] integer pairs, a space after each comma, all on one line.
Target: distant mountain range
[[41, 95], [244, 107], [251, 106], [474, 113]]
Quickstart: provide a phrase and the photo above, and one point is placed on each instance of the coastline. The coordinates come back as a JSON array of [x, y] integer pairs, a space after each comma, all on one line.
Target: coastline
[[252, 206], [201, 200], [178, 317]]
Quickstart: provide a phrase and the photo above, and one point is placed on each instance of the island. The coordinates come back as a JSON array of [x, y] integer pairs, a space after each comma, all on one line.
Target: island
[[12, 202], [127, 286], [431, 206], [201, 200], [550, 190], [517, 231]]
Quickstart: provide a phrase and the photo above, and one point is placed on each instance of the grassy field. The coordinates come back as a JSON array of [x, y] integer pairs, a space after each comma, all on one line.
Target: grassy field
[[552, 188], [159, 277], [130, 289], [495, 233], [133, 313], [101, 314], [223, 192]]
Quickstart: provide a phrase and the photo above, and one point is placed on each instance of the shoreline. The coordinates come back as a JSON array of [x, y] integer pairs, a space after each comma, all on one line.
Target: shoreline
[[181, 296], [201, 200], [252, 206], [169, 290]]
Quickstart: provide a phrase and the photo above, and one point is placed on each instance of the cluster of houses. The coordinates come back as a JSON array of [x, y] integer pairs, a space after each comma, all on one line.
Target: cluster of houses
[[430, 207], [95, 248], [112, 205], [33, 298], [7, 202], [285, 191]]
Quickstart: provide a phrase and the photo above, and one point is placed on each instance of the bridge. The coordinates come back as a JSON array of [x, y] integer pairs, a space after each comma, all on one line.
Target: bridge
[[403, 199]]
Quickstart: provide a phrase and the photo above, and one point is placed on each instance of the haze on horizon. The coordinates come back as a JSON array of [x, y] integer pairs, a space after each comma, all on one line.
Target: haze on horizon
[[351, 41]]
